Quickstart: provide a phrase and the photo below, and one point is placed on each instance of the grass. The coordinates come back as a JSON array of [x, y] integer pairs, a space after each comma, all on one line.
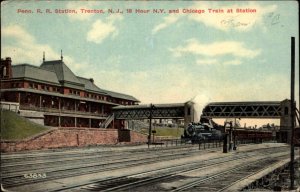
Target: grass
[[165, 131], [14, 127]]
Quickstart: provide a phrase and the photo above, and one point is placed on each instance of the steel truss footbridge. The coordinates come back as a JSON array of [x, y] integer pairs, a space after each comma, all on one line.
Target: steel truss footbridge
[[253, 109], [258, 109], [156, 111]]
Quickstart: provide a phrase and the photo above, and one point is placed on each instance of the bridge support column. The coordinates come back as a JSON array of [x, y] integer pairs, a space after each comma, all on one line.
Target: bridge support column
[[285, 122], [225, 141], [189, 113]]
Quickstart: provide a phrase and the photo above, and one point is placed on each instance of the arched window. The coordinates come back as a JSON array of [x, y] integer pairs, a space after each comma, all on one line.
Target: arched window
[[4, 71]]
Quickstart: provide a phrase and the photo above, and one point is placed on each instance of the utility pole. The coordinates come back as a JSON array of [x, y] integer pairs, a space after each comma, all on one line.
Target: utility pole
[[150, 124], [292, 169]]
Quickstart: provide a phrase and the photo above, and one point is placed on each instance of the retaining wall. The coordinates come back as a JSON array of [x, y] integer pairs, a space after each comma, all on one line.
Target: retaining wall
[[70, 137]]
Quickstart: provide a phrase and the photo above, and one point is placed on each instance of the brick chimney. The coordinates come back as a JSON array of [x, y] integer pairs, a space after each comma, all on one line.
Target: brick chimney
[[5, 68]]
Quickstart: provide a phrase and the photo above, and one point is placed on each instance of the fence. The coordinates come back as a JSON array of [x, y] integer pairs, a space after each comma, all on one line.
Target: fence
[[202, 144], [11, 106]]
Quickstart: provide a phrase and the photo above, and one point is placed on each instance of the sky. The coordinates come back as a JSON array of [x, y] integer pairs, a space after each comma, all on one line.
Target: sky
[[187, 50]]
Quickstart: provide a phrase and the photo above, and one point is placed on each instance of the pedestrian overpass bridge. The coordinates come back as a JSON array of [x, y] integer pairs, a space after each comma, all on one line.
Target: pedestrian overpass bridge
[[259, 109], [253, 109]]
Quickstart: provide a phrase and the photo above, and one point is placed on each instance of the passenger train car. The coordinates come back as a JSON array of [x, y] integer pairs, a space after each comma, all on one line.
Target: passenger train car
[[207, 129]]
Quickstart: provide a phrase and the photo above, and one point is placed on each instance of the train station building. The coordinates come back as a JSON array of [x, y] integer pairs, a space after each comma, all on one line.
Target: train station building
[[52, 95]]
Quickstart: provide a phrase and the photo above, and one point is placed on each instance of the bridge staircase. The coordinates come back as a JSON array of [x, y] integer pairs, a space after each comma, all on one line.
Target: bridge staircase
[[298, 116], [107, 121]]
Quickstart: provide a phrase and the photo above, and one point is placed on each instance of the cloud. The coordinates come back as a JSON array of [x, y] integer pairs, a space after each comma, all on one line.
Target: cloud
[[16, 31], [155, 86], [114, 18], [206, 61], [221, 21], [234, 48], [167, 21], [25, 49], [101, 30], [232, 62]]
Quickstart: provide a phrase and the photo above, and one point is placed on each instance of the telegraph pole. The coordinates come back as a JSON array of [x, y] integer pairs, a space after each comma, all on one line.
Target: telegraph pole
[[292, 169], [150, 124]]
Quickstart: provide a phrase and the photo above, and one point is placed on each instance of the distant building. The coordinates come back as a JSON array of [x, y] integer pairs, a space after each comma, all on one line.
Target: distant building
[[54, 96]]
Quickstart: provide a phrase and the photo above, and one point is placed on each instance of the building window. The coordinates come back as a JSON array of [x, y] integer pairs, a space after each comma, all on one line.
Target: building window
[[15, 85], [4, 71]]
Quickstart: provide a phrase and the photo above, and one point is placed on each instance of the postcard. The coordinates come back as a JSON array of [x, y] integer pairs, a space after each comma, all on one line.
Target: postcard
[[67, 65]]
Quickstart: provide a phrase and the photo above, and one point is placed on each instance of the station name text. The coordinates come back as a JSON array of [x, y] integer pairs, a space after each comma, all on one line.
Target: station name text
[[135, 11]]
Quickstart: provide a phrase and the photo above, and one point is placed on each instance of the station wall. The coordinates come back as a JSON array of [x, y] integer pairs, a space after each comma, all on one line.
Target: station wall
[[70, 137]]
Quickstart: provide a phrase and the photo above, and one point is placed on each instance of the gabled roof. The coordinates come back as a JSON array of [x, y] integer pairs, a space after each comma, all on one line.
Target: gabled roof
[[35, 73], [90, 86], [57, 72], [64, 74], [121, 96]]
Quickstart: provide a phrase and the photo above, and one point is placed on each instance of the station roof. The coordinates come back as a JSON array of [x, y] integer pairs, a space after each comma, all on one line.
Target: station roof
[[90, 86], [56, 72], [63, 73], [121, 95], [35, 73]]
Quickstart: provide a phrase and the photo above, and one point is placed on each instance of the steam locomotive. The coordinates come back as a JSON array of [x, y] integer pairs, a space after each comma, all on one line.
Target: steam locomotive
[[206, 129]]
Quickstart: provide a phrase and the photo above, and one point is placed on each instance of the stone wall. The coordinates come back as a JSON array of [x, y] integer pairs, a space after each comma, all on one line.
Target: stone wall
[[69, 137]]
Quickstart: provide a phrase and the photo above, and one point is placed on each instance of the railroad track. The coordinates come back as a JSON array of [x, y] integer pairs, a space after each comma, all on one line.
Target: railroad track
[[21, 157], [132, 182], [220, 181], [26, 162], [17, 179]]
